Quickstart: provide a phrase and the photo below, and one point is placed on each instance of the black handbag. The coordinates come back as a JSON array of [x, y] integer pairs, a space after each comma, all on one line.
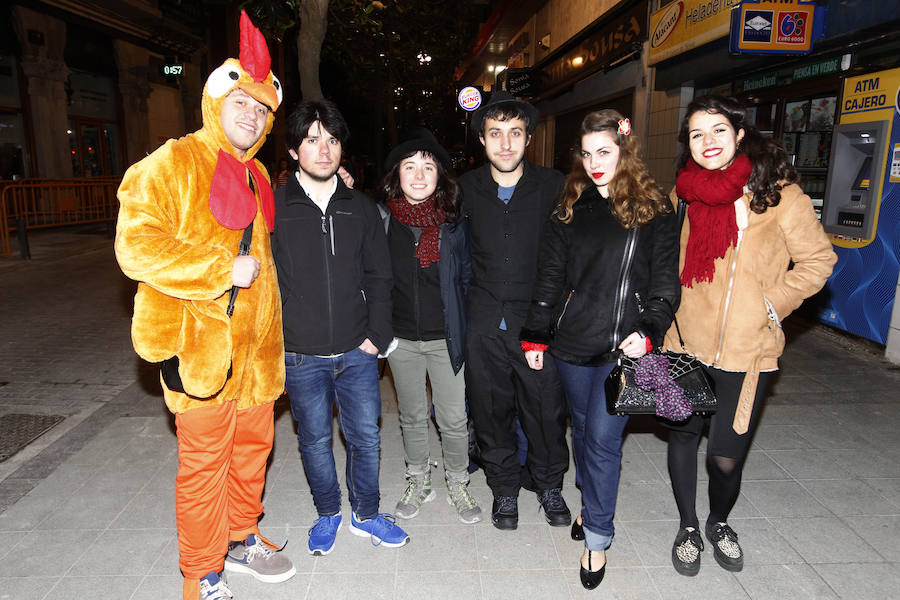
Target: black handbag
[[169, 367], [625, 397]]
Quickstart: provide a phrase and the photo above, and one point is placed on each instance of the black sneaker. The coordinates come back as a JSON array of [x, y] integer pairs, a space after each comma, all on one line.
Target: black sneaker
[[505, 512], [686, 551], [554, 506], [726, 549]]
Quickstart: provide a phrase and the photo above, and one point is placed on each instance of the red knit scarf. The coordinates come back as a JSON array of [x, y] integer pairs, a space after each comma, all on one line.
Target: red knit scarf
[[425, 216], [710, 195]]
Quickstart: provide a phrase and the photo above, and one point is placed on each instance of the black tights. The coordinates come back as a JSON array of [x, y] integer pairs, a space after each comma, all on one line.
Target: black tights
[[724, 471], [724, 480]]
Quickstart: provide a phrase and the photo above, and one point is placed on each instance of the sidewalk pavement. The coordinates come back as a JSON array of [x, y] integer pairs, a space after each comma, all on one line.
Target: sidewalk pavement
[[87, 509]]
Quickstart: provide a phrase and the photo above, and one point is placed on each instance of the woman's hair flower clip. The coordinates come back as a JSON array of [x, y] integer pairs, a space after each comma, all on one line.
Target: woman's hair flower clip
[[625, 127]]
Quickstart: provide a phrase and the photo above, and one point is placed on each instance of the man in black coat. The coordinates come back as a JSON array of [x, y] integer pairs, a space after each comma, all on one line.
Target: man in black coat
[[507, 202], [334, 272]]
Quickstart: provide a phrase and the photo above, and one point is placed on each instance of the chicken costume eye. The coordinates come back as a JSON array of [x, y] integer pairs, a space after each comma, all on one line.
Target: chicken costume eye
[[277, 85], [222, 80]]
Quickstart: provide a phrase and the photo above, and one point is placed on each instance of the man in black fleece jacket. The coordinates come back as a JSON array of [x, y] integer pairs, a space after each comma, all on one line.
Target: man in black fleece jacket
[[507, 202], [334, 271]]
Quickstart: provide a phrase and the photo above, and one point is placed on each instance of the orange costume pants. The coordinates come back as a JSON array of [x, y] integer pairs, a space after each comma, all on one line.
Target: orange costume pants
[[222, 453]]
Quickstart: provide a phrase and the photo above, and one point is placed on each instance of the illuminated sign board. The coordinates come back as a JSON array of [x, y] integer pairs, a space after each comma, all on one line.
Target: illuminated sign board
[[783, 27], [686, 24]]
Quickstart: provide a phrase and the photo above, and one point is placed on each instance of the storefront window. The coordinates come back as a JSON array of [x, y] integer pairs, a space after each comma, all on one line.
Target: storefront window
[[14, 163]]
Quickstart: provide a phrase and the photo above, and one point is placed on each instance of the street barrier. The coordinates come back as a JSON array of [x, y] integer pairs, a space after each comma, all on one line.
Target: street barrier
[[40, 203]]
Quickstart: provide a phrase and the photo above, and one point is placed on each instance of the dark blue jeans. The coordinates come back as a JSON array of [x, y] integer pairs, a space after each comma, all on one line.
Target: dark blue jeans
[[597, 445], [351, 382]]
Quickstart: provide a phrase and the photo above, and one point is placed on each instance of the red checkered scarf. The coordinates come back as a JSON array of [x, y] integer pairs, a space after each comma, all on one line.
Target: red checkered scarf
[[425, 216]]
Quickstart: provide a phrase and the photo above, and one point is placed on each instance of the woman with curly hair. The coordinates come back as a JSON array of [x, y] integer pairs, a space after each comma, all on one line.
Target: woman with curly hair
[[429, 249], [606, 285], [747, 220]]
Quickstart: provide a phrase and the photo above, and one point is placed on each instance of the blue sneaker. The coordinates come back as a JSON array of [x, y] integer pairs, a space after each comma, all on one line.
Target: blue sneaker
[[382, 528], [212, 587], [322, 534]]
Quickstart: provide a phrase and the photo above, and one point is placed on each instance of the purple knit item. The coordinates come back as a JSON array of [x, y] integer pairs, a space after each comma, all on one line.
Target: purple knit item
[[651, 373]]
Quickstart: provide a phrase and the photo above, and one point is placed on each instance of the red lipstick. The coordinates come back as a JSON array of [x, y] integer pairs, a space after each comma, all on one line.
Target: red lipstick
[[597, 175]]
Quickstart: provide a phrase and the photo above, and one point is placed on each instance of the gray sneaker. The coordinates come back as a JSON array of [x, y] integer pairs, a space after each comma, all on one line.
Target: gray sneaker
[[460, 498], [257, 558], [417, 493]]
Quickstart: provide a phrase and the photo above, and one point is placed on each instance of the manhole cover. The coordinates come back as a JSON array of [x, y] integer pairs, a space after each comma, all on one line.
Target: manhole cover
[[17, 431]]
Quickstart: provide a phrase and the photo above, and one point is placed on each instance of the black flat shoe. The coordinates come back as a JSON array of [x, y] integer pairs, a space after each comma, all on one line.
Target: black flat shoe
[[577, 531], [591, 579]]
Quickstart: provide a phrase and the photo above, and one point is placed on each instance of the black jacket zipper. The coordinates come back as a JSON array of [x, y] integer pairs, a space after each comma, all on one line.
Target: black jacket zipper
[[325, 257]]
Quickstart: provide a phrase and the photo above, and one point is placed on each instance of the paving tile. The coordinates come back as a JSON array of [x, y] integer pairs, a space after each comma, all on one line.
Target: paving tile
[[772, 436], [864, 462], [33, 587], [645, 501], [814, 538], [761, 542], [809, 464], [161, 586], [639, 468], [882, 533], [782, 499], [862, 581], [524, 584], [29, 512], [147, 511], [528, 547], [887, 487], [295, 588], [652, 540], [780, 581], [711, 583], [86, 509], [47, 555], [375, 586], [760, 467], [437, 583], [95, 587], [441, 547], [849, 497], [122, 552]]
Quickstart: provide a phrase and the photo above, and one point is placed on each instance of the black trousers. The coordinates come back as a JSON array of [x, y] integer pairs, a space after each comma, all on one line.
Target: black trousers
[[500, 387]]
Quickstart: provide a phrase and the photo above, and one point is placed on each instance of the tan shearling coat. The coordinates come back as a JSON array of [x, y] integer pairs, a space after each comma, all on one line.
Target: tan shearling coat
[[725, 322]]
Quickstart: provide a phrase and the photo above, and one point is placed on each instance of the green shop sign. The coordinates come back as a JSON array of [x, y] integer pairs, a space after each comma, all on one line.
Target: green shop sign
[[817, 69], [757, 83]]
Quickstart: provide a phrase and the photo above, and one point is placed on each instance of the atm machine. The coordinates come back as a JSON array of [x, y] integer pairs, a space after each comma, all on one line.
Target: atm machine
[[861, 210]]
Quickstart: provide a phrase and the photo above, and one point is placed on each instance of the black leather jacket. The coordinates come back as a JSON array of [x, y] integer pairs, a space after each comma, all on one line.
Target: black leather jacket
[[597, 282]]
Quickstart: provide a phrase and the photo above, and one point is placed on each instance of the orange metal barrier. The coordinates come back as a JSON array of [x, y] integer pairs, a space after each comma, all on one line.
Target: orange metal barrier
[[39, 203]]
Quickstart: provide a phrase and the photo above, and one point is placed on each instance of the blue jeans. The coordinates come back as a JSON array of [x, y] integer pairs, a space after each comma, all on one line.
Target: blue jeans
[[597, 445], [351, 382]]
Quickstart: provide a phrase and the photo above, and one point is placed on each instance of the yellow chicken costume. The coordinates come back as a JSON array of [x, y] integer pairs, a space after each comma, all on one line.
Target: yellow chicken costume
[[182, 213]]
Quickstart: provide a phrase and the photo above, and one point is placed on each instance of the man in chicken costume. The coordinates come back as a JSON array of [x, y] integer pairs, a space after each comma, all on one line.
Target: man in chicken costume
[[184, 211]]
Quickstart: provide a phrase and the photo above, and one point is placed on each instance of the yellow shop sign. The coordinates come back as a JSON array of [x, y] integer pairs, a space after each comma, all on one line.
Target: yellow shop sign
[[687, 24]]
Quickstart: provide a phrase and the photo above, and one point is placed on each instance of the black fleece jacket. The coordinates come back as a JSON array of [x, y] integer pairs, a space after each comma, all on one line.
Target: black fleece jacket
[[504, 243], [334, 271], [579, 279]]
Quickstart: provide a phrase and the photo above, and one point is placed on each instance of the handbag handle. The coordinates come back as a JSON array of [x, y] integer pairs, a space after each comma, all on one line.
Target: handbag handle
[[682, 211]]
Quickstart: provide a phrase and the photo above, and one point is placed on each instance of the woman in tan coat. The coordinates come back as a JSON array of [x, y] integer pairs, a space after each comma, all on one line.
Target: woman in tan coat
[[747, 220]]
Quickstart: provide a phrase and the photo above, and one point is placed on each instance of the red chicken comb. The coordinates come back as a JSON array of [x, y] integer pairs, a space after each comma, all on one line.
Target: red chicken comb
[[254, 55]]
